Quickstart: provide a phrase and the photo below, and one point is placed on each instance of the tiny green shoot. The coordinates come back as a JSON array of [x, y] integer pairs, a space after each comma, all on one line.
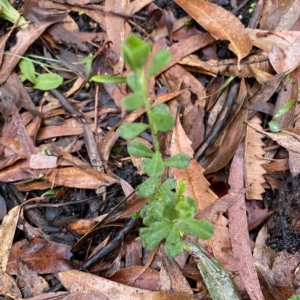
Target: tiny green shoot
[[274, 126], [251, 8], [42, 82]]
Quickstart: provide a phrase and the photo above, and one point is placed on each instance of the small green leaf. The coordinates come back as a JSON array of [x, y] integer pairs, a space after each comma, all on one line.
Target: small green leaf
[[295, 297], [169, 211], [49, 192], [155, 167], [134, 82], [131, 130], [161, 108], [133, 101], [166, 190], [27, 68], [88, 61], [180, 161], [186, 207], [46, 82], [108, 79], [162, 122], [159, 61], [154, 234], [136, 52], [274, 126], [148, 187], [203, 229], [174, 244], [137, 148], [284, 108], [152, 212]]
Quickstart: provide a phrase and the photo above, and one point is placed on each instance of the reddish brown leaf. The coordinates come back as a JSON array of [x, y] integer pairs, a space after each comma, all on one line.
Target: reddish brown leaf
[[25, 38], [41, 255], [238, 229]]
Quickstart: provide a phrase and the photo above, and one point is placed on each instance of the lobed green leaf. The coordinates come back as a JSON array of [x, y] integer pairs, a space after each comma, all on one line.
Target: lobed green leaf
[[148, 187], [132, 130], [137, 148], [174, 244], [133, 101], [153, 235], [159, 61], [162, 122], [180, 161], [154, 167], [203, 229]]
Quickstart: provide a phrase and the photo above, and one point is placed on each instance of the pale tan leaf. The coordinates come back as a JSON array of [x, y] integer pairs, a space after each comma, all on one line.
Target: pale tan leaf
[[7, 233], [197, 186], [287, 60], [220, 24], [280, 15], [253, 163], [114, 290], [285, 138]]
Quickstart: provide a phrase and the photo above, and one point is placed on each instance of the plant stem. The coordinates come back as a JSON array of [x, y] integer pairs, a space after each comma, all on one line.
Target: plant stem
[[149, 111]]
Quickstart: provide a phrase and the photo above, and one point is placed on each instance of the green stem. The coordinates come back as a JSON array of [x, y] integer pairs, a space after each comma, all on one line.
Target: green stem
[[149, 111]]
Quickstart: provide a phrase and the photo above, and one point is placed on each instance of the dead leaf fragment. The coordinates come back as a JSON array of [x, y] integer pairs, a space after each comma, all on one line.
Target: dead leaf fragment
[[221, 24], [253, 163]]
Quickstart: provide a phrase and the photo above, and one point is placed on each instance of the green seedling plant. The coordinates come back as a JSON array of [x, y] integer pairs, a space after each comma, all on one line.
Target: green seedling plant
[[44, 82], [274, 126], [169, 214], [251, 8], [295, 297]]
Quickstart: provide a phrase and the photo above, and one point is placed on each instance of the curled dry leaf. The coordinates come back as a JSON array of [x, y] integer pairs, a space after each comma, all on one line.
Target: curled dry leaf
[[220, 24]]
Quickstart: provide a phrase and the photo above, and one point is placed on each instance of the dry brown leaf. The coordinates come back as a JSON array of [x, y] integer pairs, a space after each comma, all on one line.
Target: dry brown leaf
[[115, 30], [148, 280], [196, 185], [280, 15], [25, 38], [7, 233], [78, 178], [285, 61], [285, 138], [253, 163], [41, 255], [113, 290], [265, 40], [238, 229], [220, 24]]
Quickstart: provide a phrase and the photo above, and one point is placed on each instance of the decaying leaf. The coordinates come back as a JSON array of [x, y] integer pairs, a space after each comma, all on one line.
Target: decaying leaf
[[220, 24], [41, 255], [253, 163], [238, 229], [114, 290]]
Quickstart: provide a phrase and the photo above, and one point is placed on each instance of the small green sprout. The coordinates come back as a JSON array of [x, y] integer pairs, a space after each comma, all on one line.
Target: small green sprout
[[251, 8], [9, 13], [275, 126]]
